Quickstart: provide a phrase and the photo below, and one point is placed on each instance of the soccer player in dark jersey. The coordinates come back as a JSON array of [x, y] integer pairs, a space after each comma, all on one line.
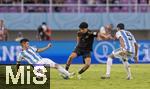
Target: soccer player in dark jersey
[[85, 39]]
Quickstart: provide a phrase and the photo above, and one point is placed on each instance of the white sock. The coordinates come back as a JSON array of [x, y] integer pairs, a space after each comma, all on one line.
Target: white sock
[[127, 67], [109, 64], [63, 71]]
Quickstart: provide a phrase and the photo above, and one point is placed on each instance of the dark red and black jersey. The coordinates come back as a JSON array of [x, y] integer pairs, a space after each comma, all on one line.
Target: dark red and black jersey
[[86, 40]]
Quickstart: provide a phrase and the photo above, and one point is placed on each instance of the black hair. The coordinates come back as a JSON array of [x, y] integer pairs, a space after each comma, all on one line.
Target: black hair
[[83, 25], [24, 40], [120, 25]]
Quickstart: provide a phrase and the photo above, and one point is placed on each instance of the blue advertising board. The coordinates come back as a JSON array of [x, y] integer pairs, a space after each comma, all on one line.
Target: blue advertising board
[[60, 51]]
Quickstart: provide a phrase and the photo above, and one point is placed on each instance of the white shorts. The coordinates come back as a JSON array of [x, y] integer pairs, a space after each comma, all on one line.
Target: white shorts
[[39, 68], [117, 53], [47, 62]]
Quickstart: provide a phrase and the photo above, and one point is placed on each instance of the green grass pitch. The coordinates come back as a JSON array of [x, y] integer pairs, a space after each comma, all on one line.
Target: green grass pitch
[[91, 78]]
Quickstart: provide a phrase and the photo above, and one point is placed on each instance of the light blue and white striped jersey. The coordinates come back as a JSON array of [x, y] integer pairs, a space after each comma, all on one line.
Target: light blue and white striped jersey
[[30, 55], [128, 39]]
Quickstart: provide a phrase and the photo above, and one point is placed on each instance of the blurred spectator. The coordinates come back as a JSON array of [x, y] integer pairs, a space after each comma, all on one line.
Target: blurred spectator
[[92, 2], [10, 1], [36, 1], [58, 8], [44, 33], [16, 1], [83, 1], [45, 1], [3, 32], [111, 1], [29, 8], [41, 9], [1, 1], [19, 37], [103, 1], [41, 1], [117, 2], [28, 1], [6, 1], [143, 1], [138, 1], [36, 8]]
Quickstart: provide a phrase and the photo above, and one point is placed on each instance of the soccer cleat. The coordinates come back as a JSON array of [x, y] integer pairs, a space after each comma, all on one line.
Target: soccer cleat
[[129, 78], [105, 77], [67, 77], [64, 76]]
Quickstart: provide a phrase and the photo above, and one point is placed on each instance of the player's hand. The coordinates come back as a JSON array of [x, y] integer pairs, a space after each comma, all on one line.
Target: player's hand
[[49, 45], [136, 59]]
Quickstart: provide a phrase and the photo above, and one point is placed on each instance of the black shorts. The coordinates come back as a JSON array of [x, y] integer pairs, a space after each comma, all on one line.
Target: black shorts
[[83, 53]]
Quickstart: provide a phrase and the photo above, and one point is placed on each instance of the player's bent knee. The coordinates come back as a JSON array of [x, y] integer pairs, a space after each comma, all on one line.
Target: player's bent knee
[[72, 56], [111, 56]]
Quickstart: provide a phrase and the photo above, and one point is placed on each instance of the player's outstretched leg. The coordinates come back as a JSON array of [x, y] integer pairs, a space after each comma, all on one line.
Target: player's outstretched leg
[[108, 68], [71, 57], [85, 67], [52, 64], [127, 67], [65, 73]]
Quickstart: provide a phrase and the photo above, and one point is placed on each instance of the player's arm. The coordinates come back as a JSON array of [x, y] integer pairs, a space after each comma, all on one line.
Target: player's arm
[[136, 52], [44, 48], [78, 39], [78, 36], [105, 36]]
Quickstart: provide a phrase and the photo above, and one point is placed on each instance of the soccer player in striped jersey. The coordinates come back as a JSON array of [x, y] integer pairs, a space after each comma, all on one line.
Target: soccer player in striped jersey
[[128, 49], [30, 54]]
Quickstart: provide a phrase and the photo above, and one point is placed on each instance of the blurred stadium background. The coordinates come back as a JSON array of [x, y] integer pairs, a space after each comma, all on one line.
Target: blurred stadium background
[[64, 16]]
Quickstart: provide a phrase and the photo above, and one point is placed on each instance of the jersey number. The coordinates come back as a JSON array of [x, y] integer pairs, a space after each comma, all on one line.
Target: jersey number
[[129, 35]]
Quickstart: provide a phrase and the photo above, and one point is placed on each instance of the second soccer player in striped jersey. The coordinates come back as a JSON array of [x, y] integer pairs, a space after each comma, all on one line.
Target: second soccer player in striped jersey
[[128, 49]]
